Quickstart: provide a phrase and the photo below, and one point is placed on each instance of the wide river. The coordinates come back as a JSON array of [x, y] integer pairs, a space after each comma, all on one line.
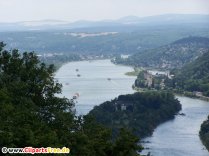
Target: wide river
[[101, 80]]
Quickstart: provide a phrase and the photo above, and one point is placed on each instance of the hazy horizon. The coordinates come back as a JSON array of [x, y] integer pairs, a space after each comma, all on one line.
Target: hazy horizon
[[65, 21], [95, 10]]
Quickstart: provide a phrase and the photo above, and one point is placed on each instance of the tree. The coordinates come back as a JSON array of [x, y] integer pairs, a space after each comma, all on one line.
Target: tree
[[126, 144], [32, 115]]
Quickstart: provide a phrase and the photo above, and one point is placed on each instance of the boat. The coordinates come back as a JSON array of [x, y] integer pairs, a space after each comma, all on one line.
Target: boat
[[182, 114], [76, 96], [78, 75], [77, 70], [108, 79]]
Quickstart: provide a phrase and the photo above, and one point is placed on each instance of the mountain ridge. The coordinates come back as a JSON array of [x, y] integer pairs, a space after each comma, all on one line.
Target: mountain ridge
[[174, 55], [127, 20]]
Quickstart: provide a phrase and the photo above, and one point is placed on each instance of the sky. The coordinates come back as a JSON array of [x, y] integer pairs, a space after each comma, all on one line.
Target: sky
[[74, 10]]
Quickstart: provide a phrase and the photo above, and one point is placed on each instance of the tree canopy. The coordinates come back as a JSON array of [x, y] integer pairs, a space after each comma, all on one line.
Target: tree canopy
[[32, 115], [141, 112]]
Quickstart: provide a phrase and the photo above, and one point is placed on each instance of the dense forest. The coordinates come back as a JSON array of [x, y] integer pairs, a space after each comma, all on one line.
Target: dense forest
[[192, 77], [204, 133], [191, 80], [59, 59], [90, 41], [174, 55], [141, 112], [32, 114]]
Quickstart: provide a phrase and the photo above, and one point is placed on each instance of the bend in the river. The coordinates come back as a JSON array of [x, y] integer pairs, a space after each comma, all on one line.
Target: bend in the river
[[100, 80]]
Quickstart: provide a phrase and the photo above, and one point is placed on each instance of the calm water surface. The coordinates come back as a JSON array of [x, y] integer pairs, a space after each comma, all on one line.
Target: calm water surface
[[178, 137], [93, 85]]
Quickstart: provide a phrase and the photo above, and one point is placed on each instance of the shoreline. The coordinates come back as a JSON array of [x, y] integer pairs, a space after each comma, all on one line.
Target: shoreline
[[58, 66], [187, 94], [138, 89], [204, 98]]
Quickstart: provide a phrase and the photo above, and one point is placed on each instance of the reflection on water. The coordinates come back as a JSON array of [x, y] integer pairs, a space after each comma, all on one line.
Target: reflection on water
[[179, 137], [99, 81]]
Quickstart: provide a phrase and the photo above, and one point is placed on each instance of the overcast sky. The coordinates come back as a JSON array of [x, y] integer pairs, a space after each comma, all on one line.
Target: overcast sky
[[73, 10]]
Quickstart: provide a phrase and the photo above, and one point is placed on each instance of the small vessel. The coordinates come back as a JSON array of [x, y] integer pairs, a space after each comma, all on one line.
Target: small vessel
[[78, 75], [108, 79], [77, 70], [66, 84], [182, 114], [76, 96]]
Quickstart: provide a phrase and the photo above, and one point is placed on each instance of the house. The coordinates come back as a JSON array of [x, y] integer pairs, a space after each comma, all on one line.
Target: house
[[123, 106]]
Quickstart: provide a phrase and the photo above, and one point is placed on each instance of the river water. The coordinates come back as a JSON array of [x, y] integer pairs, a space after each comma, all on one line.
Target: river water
[[179, 137], [101, 80]]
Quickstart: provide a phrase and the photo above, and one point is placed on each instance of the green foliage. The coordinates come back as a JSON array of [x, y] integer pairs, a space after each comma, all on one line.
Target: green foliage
[[141, 80], [143, 112], [131, 39], [193, 76], [124, 143], [59, 60], [32, 115], [204, 133], [170, 56], [147, 81], [30, 111]]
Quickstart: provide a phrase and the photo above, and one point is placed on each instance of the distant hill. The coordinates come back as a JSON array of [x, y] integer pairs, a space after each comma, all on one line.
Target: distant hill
[[104, 42], [125, 22], [194, 76], [127, 35], [174, 55]]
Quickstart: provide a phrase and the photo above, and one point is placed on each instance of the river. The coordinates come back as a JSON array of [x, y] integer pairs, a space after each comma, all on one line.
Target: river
[[99, 81], [177, 137]]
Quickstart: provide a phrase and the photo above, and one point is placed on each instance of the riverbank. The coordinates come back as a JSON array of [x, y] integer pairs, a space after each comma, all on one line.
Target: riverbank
[[204, 133], [59, 60], [155, 75], [94, 88], [185, 93], [180, 136], [158, 80], [192, 95], [135, 72], [141, 112]]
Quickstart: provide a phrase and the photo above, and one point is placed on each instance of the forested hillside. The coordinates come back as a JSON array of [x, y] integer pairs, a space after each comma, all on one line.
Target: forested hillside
[[33, 116], [140, 112], [193, 76], [171, 56], [102, 41], [204, 133]]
